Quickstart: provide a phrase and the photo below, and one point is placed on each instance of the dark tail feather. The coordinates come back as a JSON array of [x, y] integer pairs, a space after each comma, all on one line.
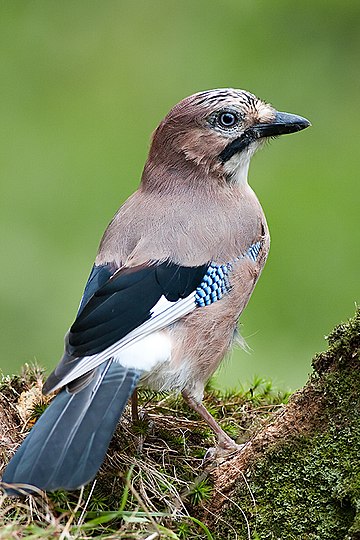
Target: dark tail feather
[[68, 443]]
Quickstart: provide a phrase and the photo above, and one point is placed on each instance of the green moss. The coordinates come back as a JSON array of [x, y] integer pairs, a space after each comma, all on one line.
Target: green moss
[[302, 490], [305, 487], [309, 487]]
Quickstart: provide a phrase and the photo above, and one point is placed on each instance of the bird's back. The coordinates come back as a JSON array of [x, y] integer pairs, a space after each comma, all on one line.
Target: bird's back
[[188, 228]]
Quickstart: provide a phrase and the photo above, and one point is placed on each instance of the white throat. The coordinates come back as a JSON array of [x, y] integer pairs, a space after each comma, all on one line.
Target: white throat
[[237, 167]]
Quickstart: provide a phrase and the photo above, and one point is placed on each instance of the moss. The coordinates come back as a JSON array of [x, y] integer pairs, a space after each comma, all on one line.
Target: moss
[[308, 486], [302, 482]]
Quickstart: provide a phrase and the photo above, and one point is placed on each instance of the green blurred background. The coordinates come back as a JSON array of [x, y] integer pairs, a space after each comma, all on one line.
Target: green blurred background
[[84, 83]]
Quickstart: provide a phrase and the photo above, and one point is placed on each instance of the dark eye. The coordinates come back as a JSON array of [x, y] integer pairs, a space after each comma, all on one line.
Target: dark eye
[[227, 119]]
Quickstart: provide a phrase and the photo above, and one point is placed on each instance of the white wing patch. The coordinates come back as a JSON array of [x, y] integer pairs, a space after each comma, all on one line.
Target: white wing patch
[[145, 356], [145, 353]]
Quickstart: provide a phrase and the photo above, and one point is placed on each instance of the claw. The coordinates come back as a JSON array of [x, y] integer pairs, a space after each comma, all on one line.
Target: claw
[[216, 455]]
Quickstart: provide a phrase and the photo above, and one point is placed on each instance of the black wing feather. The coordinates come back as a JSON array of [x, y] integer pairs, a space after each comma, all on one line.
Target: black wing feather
[[179, 281], [99, 275], [125, 301]]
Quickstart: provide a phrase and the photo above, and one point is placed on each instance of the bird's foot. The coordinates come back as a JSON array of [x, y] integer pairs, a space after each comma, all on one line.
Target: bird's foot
[[220, 453]]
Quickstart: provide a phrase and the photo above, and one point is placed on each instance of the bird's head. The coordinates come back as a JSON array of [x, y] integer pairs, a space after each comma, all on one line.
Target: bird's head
[[217, 132]]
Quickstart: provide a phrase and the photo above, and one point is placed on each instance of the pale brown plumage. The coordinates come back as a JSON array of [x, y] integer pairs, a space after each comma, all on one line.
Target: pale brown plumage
[[191, 209], [186, 209], [143, 315]]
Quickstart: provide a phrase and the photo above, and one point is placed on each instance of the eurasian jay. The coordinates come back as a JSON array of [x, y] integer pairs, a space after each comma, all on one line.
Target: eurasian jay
[[174, 271]]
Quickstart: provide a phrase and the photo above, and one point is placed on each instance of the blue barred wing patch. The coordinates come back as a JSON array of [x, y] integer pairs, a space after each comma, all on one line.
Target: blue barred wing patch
[[253, 251], [214, 285], [216, 281]]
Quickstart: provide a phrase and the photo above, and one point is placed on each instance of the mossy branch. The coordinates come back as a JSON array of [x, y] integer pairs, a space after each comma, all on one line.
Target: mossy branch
[[299, 476]]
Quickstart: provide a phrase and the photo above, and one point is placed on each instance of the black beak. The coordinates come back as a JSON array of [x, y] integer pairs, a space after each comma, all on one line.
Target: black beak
[[283, 123]]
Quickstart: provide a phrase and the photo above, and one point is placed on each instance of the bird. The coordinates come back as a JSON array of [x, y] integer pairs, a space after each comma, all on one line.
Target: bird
[[174, 271]]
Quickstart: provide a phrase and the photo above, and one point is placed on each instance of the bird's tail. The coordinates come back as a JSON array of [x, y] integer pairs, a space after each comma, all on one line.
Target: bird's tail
[[68, 443]]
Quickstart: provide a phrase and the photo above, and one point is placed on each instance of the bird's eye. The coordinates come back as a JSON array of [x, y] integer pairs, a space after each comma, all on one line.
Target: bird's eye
[[227, 119]]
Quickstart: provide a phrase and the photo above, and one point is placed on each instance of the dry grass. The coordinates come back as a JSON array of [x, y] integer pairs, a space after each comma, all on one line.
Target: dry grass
[[154, 479]]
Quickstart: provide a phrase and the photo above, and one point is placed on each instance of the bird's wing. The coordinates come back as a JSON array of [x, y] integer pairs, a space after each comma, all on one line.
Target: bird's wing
[[122, 306]]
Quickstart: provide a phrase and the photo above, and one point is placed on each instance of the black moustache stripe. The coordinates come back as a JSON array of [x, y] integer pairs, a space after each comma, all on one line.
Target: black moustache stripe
[[236, 146]]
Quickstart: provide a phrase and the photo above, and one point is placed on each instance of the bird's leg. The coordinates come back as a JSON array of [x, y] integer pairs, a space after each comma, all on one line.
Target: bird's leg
[[225, 443], [136, 420], [134, 406]]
